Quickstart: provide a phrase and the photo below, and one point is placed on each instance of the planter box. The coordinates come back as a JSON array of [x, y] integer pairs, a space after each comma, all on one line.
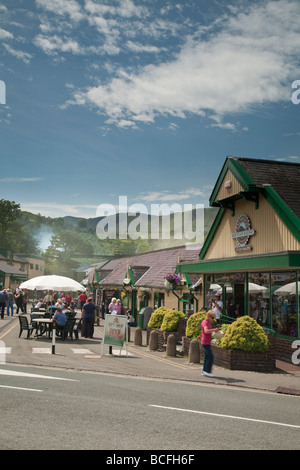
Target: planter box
[[238, 360]]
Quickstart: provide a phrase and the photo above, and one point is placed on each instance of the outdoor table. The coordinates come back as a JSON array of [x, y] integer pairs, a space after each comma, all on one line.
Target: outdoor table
[[40, 322]]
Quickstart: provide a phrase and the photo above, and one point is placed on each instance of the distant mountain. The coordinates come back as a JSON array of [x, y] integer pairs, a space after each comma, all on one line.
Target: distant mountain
[[124, 233]]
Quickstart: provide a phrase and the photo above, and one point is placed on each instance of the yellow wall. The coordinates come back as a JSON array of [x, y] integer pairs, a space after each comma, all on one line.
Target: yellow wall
[[271, 234]]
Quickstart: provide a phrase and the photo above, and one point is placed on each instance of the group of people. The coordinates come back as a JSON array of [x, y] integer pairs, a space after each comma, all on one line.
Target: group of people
[[115, 307], [9, 299], [55, 299], [65, 304]]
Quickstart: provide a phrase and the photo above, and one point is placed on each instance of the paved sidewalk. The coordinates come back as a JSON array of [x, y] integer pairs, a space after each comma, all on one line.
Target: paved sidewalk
[[85, 355]]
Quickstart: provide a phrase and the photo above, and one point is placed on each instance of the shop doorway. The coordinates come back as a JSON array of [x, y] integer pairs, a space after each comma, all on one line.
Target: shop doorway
[[239, 297]]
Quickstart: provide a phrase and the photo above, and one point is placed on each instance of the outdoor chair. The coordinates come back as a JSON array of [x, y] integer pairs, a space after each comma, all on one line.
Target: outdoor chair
[[68, 329], [24, 325]]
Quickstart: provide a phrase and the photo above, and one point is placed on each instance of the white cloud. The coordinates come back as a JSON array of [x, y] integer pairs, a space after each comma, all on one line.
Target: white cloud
[[136, 47], [14, 179], [5, 34], [167, 196], [60, 210], [247, 61], [68, 8], [25, 56], [54, 44]]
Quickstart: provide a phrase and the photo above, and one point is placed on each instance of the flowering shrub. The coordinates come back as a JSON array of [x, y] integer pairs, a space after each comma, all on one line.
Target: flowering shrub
[[171, 319], [245, 334], [157, 317], [193, 327], [165, 318]]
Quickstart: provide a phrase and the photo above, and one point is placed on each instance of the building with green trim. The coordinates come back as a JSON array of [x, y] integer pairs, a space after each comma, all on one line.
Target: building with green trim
[[251, 255]]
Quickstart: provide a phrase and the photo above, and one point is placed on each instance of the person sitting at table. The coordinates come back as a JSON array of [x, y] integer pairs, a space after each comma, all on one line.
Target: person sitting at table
[[60, 318], [39, 304]]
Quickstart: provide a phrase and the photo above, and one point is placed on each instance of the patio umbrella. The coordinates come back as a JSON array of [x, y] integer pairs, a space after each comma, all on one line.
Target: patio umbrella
[[252, 288], [288, 289], [255, 288], [53, 282]]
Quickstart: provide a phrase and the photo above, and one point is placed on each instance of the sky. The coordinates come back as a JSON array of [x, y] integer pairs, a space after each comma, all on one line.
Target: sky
[[143, 99]]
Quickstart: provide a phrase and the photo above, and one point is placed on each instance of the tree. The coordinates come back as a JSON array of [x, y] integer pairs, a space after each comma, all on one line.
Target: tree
[[10, 211], [70, 243], [64, 247]]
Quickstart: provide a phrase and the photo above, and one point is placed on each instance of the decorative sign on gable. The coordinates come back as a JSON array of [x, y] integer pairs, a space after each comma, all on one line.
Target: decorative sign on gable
[[243, 232]]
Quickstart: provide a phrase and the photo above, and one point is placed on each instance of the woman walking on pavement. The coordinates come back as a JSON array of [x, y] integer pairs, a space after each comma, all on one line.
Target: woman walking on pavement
[[206, 331]]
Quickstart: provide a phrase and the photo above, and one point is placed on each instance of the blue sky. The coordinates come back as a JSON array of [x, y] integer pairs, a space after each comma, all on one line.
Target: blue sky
[[139, 98]]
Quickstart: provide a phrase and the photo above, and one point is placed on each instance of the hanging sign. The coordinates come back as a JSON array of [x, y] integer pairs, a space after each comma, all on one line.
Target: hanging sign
[[243, 232], [115, 331]]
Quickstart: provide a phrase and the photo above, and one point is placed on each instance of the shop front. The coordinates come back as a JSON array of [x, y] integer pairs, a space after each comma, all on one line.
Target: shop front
[[251, 257], [261, 295]]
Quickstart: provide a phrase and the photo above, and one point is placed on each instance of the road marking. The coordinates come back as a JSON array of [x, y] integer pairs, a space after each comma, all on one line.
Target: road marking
[[226, 416], [8, 331], [81, 351], [164, 360], [22, 388], [35, 376], [5, 350], [41, 350]]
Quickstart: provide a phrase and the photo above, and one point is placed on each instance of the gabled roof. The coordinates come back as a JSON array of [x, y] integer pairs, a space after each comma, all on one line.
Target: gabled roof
[[147, 269], [284, 177], [278, 182]]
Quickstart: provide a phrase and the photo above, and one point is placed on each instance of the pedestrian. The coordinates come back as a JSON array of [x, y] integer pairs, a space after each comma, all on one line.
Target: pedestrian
[[19, 300], [10, 302], [112, 308], [119, 307], [206, 332], [3, 301], [48, 300], [217, 306], [60, 318], [25, 300], [88, 318], [82, 300]]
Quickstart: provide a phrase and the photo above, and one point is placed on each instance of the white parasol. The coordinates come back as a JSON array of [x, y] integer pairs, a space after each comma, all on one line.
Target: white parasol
[[255, 288], [288, 289], [252, 288], [53, 282]]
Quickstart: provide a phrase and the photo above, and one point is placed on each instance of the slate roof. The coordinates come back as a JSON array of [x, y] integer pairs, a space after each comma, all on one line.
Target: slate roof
[[148, 269], [284, 177], [8, 269]]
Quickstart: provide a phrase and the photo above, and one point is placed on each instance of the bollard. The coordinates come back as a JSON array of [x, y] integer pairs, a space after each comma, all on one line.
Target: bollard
[[128, 329], [53, 336], [153, 341], [171, 346], [138, 337], [194, 351]]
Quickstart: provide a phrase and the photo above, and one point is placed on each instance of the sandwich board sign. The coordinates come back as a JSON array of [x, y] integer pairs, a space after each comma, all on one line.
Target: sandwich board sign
[[115, 332]]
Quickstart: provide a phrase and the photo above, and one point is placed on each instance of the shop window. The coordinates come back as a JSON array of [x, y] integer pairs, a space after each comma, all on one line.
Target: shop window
[[231, 286], [285, 302], [159, 300], [259, 298], [188, 304]]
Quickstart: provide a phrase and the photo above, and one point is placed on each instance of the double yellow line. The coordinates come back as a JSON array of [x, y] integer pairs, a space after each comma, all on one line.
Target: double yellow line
[[158, 359]]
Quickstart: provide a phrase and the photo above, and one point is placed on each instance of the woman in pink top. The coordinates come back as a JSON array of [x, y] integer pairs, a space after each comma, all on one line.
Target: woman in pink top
[[206, 331]]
